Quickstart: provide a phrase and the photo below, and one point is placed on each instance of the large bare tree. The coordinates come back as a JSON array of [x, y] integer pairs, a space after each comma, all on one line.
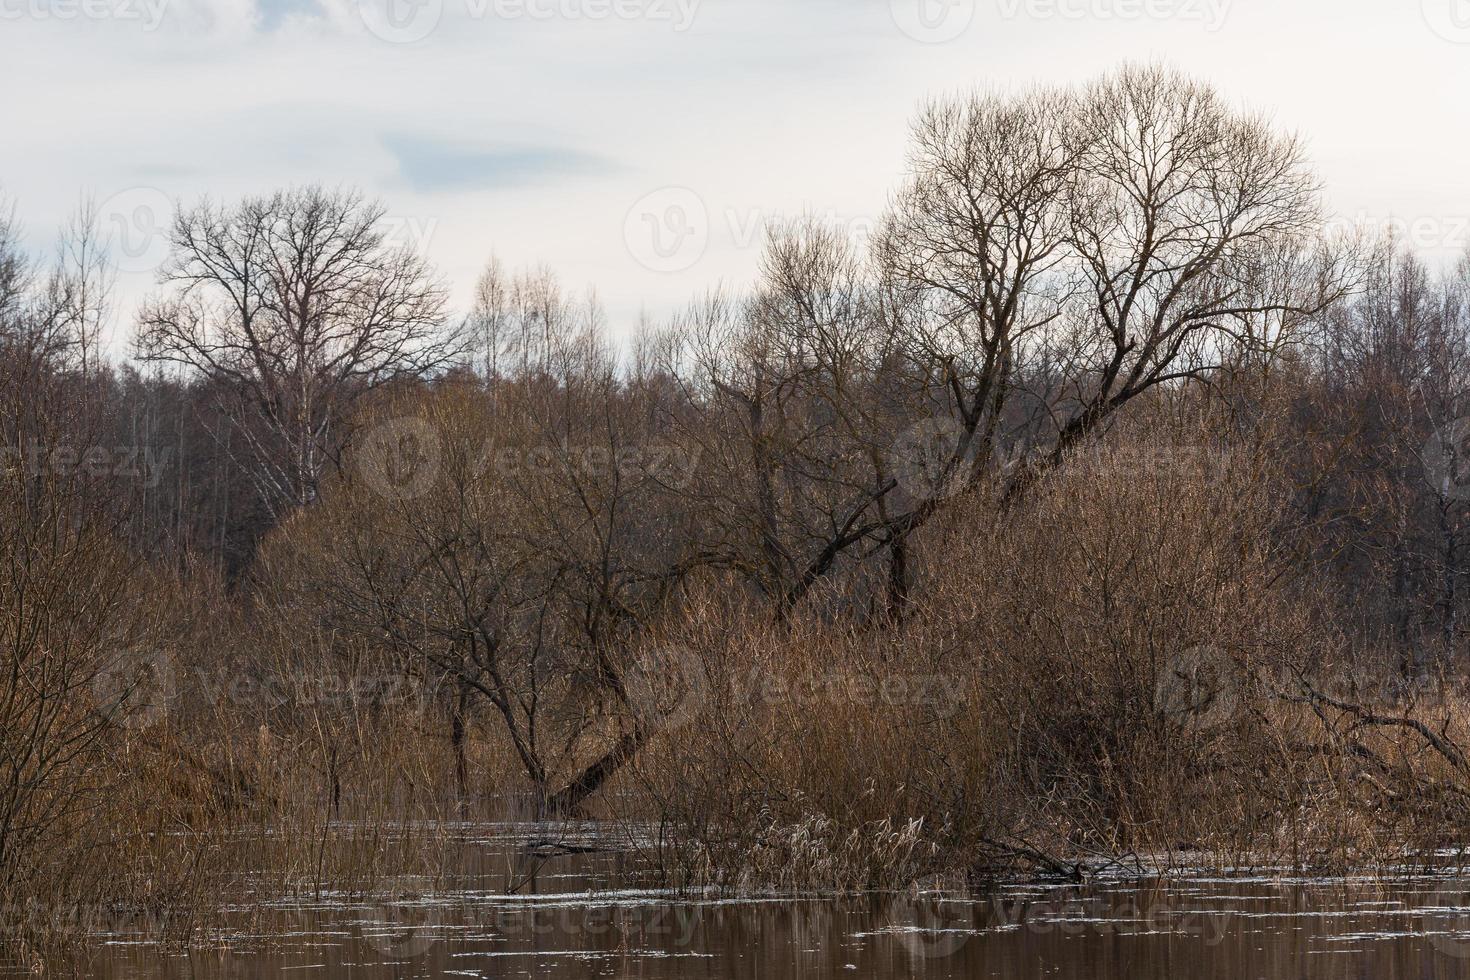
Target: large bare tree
[[1053, 257], [294, 306]]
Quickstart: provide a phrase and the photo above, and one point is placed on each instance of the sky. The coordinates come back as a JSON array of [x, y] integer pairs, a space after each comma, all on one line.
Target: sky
[[639, 147]]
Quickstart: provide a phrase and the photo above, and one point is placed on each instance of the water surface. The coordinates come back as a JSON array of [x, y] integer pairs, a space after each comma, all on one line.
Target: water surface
[[544, 913]]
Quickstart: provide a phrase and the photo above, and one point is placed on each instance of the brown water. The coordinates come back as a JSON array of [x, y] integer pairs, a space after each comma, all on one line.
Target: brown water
[[515, 914]]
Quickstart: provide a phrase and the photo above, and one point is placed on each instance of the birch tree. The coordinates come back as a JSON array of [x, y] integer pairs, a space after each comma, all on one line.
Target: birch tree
[[295, 306]]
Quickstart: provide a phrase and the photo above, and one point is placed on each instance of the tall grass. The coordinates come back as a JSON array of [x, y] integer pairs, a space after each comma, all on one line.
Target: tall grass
[[1132, 668], [1117, 673]]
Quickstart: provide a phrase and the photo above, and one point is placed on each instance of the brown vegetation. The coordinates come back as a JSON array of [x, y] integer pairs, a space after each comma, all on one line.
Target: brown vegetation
[[1104, 512]]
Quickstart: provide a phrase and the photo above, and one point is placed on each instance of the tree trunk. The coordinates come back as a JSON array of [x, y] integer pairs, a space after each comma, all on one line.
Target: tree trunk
[[1449, 578], [898, 580], [457, 741], [569, 800]]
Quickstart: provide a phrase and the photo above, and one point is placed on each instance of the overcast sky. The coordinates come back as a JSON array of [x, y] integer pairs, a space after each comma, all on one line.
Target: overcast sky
[[638, 146]]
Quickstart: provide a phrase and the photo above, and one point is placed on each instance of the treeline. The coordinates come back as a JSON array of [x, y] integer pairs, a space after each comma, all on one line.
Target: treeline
[[1103, 505]]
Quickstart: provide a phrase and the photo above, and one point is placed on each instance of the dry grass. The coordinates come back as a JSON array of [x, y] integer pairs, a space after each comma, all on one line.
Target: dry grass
[[1026, 716], [1108, 676]]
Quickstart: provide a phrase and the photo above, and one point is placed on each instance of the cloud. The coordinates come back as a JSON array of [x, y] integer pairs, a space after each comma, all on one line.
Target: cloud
[[429, 165]]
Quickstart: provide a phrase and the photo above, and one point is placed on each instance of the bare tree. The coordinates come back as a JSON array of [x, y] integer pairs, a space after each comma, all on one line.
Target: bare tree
[[524, 323], [545, 539], [55, 313], [70, 601], [1056, 256], [1383, 410], [296, 307], [80, 286], [791, 400]]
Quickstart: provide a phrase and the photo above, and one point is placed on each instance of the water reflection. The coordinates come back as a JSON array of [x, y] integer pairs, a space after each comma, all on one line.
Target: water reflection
[[572, 915]]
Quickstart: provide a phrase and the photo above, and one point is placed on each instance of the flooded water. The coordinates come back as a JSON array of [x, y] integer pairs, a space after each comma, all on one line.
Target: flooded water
[[546, 913]]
